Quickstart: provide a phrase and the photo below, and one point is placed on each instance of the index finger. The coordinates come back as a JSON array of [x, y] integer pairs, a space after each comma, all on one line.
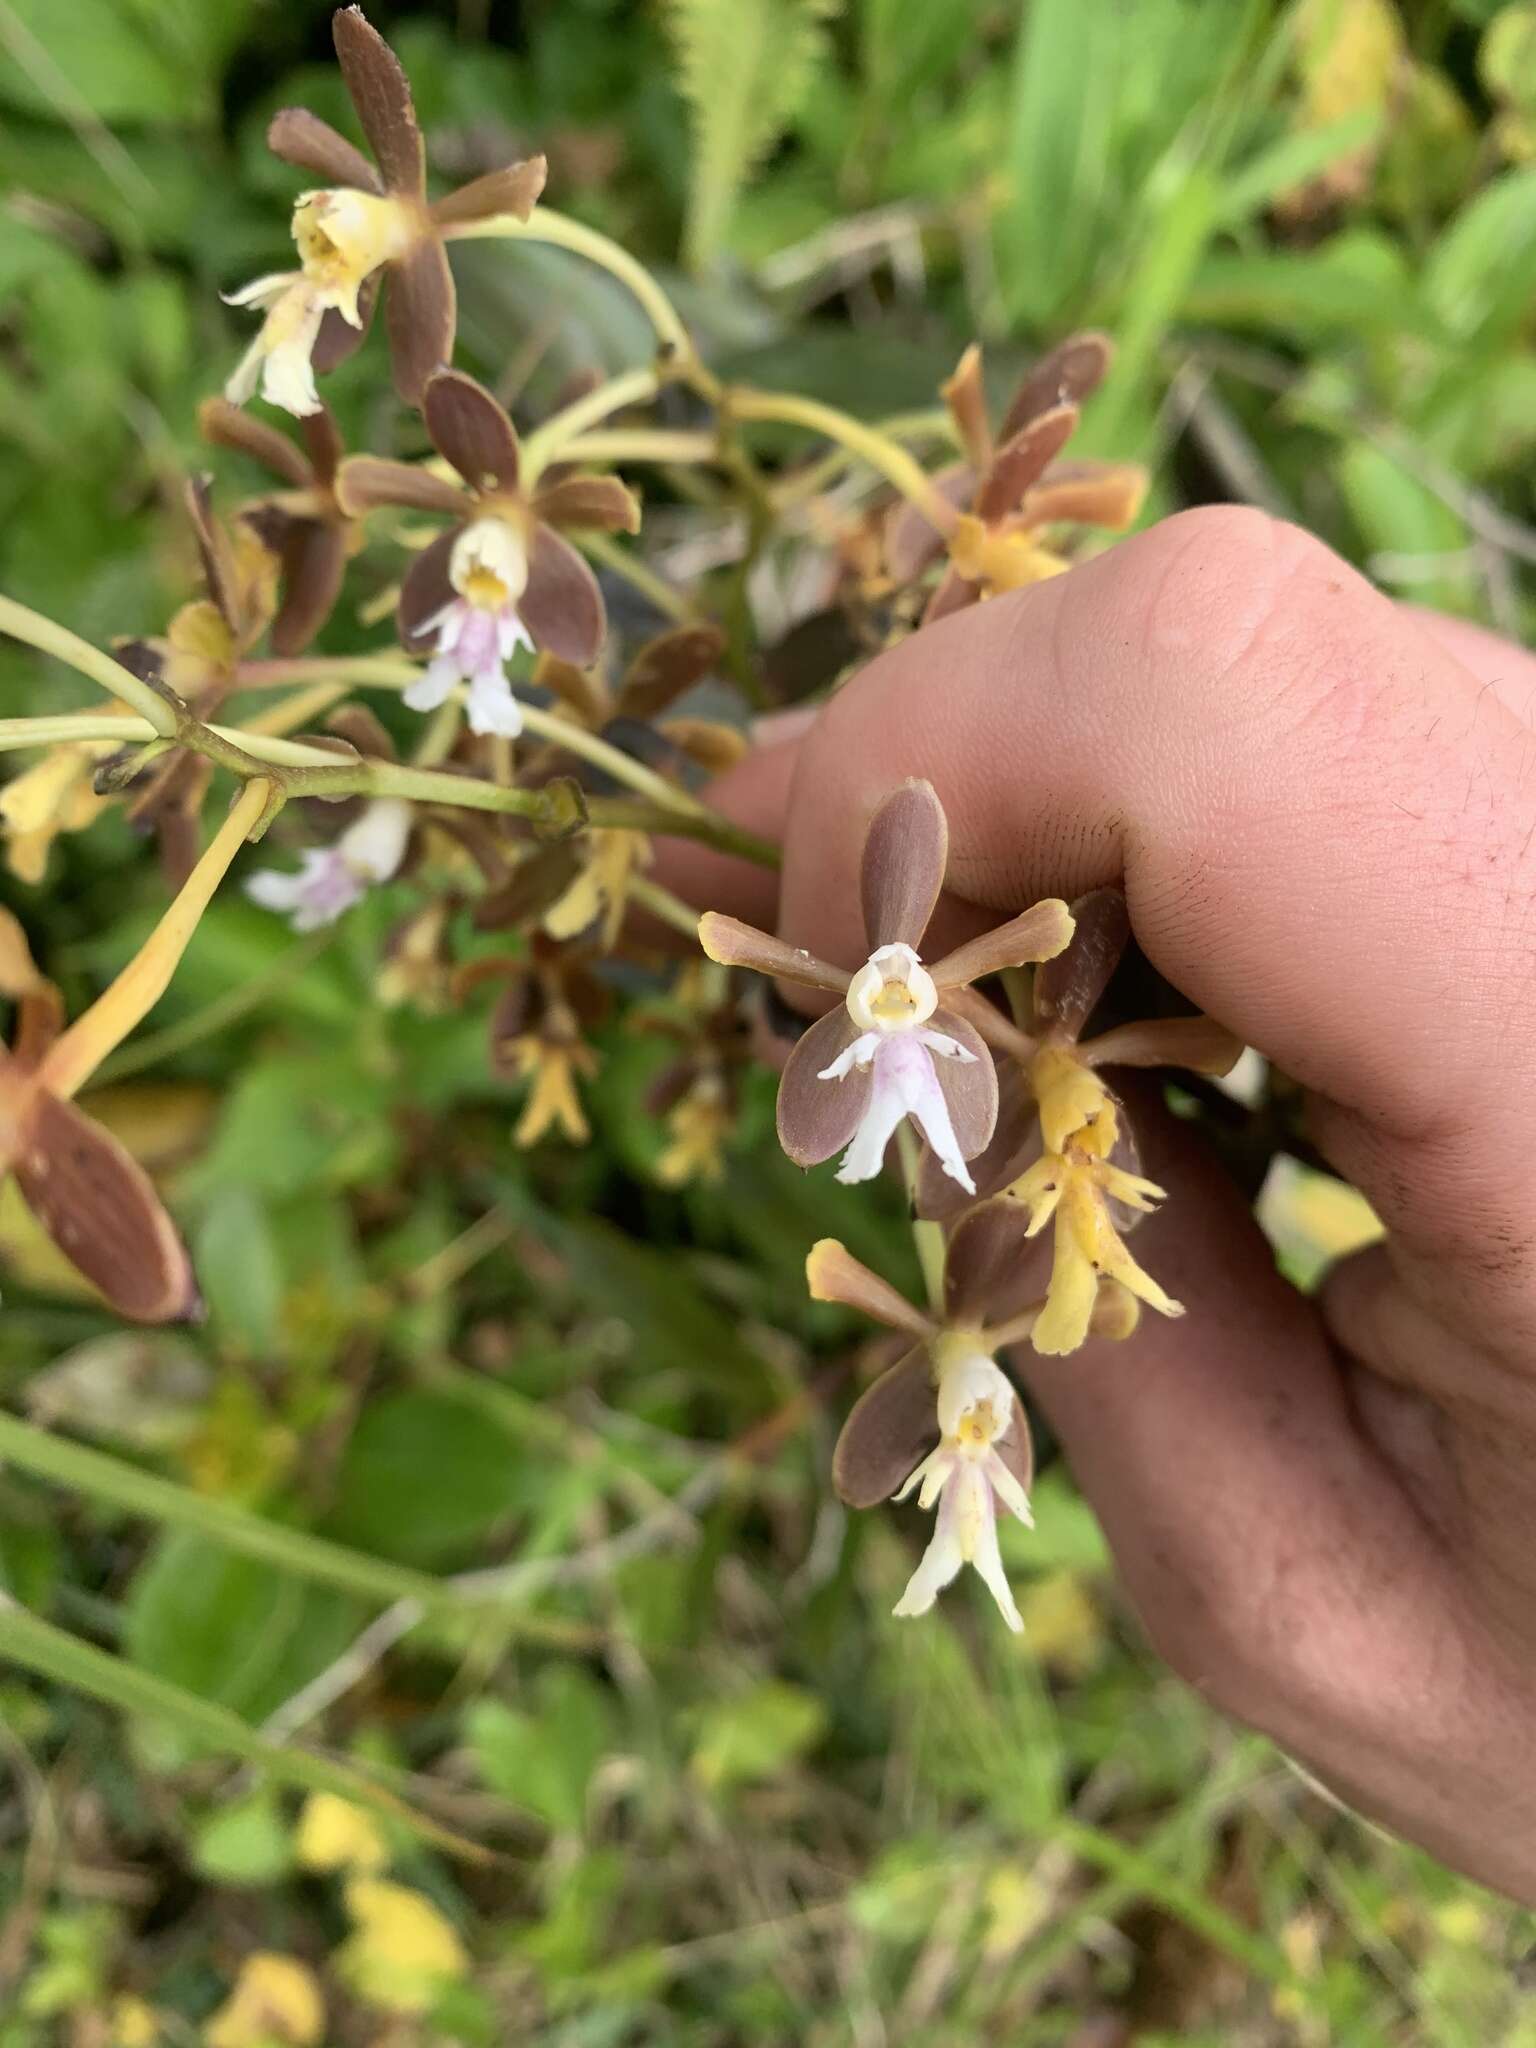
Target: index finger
[[1326, 831]]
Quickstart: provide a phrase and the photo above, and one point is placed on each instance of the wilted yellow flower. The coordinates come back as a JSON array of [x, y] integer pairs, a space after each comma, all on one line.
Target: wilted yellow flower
[[54, 795], [275, 2003], [699, 1125], [553, 1101], [334, 1834], [133, 2023], [402, 1951], [1074, 1181], [601, 890]]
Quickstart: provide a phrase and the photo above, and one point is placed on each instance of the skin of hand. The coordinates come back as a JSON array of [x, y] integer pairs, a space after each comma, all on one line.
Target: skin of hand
[[1322, 809]]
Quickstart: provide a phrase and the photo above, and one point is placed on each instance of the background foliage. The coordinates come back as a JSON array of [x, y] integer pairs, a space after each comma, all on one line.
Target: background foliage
[[727, 1800]]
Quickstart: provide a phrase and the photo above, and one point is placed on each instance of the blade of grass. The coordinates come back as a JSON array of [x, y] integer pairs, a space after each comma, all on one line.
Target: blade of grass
[[109, 1479], [36, 1645]]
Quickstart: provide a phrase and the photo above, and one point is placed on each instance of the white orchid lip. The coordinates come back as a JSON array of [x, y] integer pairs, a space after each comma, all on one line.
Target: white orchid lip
[[892, 991], [489, 565], [343, 236], [975, 1399]]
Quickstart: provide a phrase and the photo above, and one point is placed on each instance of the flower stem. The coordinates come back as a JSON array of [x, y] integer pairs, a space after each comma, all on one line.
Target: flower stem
[[927, 1237], [76, 1055], [642, 444], [560, 232], [34, 630], [868, 443], [632, 387]]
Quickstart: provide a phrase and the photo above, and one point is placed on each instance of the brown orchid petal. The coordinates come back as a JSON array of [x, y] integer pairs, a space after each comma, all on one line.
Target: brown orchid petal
[[362, 731], [1068, 988], [901, 870], [314, 558], [381, 94], [515, 189], [1069, 374], [1039, 933], [1107, 494], [953, 594], [365, 482], [912, 541], [231, 426], [302, 139], [970, 1086], [707, 742], [535, 884], [817, 1118], [100, 1208], [667, 666], [421, 313], [832, 1273], [338, 339], [890, 1430], [322, 440], [580, 690], [600, 502], [1013, 1146], [1199, 1044], [965, 394], [562, 606], [735, 944], [425, 591], [39, 1020], [1020, 463], [219, 571], [1017, 1449], [992, 1269], [471, 431]]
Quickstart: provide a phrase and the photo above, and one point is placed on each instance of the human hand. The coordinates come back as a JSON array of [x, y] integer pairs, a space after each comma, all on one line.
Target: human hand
[[1322, 809]]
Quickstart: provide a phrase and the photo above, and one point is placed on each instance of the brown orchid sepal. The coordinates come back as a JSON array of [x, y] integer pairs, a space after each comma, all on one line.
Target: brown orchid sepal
[[945, 1421], [92, 1197], [898, 1047], [369, 219]]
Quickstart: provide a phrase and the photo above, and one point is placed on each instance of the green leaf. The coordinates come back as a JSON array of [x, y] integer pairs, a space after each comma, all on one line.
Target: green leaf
[[424, 1476], [246, 1842], [742, 67], [230, 1628], [240, 1274], [101, 58], [37, 1646], [758, 1733], [544, 1760]]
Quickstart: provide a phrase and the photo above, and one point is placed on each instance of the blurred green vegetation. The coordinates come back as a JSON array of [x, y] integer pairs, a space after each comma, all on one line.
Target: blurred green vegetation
[[728, 1801]]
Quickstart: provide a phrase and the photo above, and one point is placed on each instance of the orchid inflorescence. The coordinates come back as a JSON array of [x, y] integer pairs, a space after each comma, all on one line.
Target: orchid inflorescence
[[553, 747]]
